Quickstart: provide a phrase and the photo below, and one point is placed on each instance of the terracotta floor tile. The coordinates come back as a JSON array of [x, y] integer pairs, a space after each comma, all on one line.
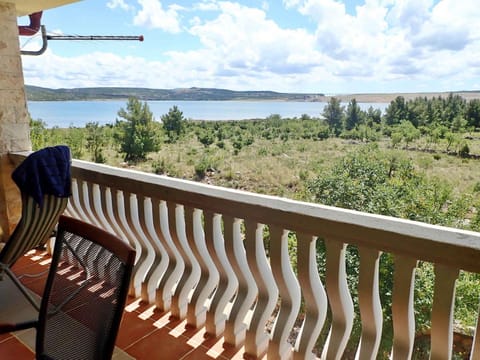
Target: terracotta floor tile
[[12, 349], [159, 345], [145, 332], [132, 329], [4, 337], [137, 304], [201, 354], [32, 261]]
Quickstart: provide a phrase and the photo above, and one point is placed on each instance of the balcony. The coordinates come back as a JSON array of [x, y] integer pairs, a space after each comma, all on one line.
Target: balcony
[[217, 275]]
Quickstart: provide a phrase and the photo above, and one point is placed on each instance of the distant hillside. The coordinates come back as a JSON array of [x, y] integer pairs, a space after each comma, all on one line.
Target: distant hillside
[[36, 93]]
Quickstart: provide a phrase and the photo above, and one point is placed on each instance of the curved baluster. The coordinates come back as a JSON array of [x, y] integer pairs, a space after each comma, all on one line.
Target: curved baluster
[[175, 262], [92, 196], [99, 199], [314, 294], [130, 222], [370, 305], [228, 283], [109, 206], [402, 307], [85, 190], [235, 327], [290, 294], [75, 201], [197, 311], [475, 351], [191, 273], [120, 202], [143, 223], [71, 209], [105, 208], [442, 312], [340, 300], [160, 265], [256, 341]]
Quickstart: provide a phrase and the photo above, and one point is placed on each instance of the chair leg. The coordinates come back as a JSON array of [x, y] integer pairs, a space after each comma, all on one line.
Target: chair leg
[[22, 288]]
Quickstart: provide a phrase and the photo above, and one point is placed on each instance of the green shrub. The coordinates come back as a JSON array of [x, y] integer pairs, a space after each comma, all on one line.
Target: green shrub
[[162, 167], [464, 150]]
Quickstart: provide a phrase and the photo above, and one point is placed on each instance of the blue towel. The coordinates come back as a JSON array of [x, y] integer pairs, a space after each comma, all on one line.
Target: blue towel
[[45, 171]]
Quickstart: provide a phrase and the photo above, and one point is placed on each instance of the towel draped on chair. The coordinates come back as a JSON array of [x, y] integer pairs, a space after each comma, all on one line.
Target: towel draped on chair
[[43, 172]]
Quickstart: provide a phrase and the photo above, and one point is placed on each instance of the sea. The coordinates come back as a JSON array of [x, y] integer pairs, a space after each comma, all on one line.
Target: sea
[[78, 113]]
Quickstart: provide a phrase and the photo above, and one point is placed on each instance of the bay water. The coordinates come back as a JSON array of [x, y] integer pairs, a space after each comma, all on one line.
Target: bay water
[[78, 113]]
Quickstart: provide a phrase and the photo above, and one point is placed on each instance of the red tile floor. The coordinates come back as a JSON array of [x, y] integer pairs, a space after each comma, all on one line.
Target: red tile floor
[[145, 332]]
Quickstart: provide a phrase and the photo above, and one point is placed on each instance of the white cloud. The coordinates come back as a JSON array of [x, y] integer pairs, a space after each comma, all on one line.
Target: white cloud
[[205, 5], [242, 39], [291, 3], [113, 4], [382, 43], [152, 15]]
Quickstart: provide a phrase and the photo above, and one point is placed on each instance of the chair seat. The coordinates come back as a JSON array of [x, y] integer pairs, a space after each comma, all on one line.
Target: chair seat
[[16, 312]]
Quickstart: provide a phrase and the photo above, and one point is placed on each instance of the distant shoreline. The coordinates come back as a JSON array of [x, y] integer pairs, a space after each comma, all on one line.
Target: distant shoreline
[[386, 97]]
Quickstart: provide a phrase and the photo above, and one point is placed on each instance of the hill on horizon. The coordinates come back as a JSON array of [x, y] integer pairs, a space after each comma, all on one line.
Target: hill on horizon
[[36, 93]]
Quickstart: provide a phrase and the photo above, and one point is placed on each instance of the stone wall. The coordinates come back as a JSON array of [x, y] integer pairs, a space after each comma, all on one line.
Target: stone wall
[[14, 120]]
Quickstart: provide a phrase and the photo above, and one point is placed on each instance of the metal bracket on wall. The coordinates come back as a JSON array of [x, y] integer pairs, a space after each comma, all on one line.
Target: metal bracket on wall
[[44, 44]]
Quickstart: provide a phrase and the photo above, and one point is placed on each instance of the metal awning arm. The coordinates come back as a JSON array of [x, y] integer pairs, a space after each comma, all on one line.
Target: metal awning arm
[[46, 37]]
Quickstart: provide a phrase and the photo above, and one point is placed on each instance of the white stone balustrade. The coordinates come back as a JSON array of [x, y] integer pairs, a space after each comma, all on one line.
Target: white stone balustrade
[[202, 254]]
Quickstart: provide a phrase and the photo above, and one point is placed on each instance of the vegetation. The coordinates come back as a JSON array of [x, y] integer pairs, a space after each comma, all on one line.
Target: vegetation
[[398, 164], [36, 93], [137, 133], [173, 123]]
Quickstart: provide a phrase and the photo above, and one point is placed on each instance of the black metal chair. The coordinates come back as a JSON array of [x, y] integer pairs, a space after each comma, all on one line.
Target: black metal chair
[[85, 293]]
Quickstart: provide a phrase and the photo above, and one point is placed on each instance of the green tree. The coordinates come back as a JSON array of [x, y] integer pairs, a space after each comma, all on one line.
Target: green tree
[[408, 132], [173, 123], [76, 141], [454, 106], [472, 113], [38, 134], [459, 124], [206, 137], [334, 114], [396, 111], [354, 115], [373, 116], [452, 140], [136, 133], [95, 138]]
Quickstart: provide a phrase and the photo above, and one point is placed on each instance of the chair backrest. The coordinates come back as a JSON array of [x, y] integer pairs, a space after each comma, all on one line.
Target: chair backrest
[[85, 293], [45, 185], [35, 226]]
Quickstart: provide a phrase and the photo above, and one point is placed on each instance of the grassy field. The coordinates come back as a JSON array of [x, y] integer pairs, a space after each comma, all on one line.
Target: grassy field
[[282, 167]]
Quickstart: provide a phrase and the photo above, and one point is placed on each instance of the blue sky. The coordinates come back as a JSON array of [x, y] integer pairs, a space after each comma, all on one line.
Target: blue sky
[[320, 46]]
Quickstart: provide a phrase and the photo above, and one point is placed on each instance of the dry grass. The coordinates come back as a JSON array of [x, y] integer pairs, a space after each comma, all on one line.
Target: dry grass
[[282, 168]]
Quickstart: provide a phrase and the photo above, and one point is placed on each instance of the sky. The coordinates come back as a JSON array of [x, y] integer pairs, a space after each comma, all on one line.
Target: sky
[[300, 46]]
